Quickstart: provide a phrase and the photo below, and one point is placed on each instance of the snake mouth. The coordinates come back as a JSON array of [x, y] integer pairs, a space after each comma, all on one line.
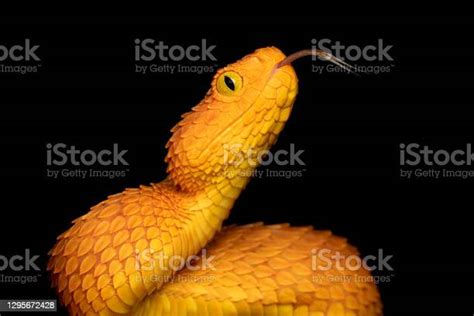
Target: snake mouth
[[317, 53]]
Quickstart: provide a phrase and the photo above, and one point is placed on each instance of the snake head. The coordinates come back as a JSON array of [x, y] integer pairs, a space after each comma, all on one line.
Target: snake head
[[240, 117]]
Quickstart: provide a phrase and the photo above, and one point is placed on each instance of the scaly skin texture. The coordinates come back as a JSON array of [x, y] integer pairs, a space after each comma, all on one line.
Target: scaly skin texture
[[111, 260], [268, 270]]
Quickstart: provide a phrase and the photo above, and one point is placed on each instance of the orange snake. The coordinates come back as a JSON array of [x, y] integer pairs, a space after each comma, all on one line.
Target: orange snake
[[107, 262]]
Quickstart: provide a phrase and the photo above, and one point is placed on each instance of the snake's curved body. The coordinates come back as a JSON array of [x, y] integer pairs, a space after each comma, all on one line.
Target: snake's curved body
[[118, 258]]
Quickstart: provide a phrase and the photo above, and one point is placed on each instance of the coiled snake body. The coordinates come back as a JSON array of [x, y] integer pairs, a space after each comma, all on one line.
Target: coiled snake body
[[111, 260]]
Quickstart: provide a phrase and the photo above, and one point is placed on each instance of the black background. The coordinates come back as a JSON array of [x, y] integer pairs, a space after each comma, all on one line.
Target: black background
[[87, 94]]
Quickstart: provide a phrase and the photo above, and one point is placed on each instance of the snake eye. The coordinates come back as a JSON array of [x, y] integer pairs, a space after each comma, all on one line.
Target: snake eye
[[229, 83]]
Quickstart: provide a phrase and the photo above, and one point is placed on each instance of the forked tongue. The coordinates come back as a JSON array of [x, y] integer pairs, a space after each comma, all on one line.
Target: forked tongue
[[318, 53]]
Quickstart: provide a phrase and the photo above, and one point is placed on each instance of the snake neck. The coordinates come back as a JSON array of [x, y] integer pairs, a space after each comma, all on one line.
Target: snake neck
[[223, 193], [204, 211], [209, 206]]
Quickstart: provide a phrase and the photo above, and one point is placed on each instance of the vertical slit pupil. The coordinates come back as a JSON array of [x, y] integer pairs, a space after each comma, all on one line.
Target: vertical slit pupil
[[229, 83]]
